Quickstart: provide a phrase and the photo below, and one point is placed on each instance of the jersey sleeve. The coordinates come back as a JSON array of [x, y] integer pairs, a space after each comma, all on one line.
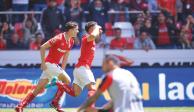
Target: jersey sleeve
[[106, 82]]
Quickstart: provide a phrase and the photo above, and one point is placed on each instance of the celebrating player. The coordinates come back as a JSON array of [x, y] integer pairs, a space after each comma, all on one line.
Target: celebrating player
[[122, 86], [59, 47], [83, 76]]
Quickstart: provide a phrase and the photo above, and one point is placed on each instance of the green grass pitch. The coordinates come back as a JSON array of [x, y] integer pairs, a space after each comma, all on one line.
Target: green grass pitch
[[164, 109]]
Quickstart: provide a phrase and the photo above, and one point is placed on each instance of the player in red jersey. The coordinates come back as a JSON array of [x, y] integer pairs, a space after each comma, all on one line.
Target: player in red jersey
[[83, 76], [59, 47]]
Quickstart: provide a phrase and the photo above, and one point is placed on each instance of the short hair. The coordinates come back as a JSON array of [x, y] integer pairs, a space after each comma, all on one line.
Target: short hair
[[143, 31], [117, 28], [70, 25], [38, 33], [113, 58], [89, 25]]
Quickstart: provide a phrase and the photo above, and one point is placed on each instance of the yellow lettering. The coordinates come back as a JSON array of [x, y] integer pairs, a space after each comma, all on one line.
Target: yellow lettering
[[145, 91]]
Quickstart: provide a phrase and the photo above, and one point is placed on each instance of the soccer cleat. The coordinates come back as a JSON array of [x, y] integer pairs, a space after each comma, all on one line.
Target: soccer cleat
[[53, 83], [18, 109], [56, 107]]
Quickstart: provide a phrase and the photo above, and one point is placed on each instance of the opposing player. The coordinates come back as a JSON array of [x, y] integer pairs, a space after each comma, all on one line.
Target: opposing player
[[83, 76], [59, 47], [122, 87]]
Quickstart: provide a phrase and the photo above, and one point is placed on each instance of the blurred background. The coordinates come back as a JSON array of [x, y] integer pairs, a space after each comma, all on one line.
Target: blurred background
[[161, 24], [152, 38]]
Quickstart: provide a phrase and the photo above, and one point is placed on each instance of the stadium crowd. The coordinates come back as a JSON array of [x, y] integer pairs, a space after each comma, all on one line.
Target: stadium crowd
[[127, 24]]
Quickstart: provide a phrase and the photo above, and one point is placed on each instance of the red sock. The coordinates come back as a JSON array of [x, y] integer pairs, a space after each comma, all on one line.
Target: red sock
[[26, 100], [58, 95], [91, 93], [64, 87]]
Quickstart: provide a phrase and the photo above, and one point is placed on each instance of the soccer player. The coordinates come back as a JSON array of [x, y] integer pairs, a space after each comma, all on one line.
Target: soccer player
[[122, 87], [83, 76], [59, 47]]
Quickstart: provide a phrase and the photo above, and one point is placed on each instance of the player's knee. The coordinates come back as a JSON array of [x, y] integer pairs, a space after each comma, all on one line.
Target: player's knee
[[66, 79], [77, 93]]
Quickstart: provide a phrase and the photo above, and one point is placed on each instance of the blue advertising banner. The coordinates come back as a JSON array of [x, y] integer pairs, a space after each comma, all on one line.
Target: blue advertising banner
[[160, 87]]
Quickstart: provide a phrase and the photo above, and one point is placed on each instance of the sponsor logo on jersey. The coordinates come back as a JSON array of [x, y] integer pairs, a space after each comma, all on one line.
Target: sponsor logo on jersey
[[61, 50]]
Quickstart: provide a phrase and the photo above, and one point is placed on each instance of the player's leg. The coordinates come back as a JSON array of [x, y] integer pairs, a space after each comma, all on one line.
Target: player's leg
[[62, 76], [74, 90], [88, 81], [40, 86], [80, 80], [44, 79], [91, 91]]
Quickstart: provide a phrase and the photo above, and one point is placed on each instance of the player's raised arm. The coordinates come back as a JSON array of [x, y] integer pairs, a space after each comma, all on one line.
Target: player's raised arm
[[42, 54], [64, 61], [96, 32]]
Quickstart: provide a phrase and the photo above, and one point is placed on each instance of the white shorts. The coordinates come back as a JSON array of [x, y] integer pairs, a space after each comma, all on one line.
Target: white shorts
[[83, 76], [53, 70]]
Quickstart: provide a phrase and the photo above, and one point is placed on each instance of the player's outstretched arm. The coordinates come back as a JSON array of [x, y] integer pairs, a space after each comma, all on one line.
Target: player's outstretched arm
[[42, 54], [108, 107], [90, 101]]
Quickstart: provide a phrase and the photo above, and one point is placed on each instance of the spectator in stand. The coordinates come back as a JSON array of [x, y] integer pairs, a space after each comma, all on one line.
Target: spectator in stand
[[75, 12], [3, 43], [30, 27], [15, 43], [38, 5], [165, 32], [188, 7], [152, 5], [119, 5], [179, 9], [186, 35], [61, 5], [52, 20], [6, 31], [184, 41], [148, 27], [84, 4], [2, 8], [98, 13], [19, 5], [118, 42], [138, 5], [168, 6], [35, 44], [139, 23], [144, 42]]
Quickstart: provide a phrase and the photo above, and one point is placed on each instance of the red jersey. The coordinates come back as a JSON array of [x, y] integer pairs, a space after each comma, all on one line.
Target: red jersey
[[163, 37], [2, 44], [87, 53], [34, 46], [169, 5], [59, 45], [118, 43]]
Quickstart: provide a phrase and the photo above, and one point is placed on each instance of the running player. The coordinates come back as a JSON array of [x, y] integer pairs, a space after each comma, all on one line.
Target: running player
[[122, 87], [59, 47], [83, 76]]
